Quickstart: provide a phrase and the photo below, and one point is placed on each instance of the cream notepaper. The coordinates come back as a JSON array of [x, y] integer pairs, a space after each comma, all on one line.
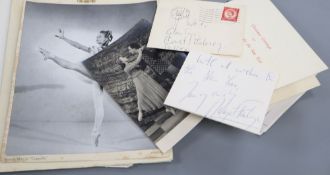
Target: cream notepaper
[[210, 27], [223, 90]]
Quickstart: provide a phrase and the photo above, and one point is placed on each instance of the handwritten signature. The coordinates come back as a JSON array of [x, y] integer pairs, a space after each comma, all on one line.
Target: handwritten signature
[[226, 106]]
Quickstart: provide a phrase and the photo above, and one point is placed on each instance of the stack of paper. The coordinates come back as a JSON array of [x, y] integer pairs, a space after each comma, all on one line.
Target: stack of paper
[[88, 83], [239, 91]]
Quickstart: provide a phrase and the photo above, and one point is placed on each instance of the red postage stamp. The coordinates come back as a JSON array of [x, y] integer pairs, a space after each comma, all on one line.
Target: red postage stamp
[[230, 14]]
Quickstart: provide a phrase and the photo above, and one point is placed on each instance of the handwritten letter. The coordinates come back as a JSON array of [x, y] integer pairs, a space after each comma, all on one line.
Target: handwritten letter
[[197, 25], [223, 90]]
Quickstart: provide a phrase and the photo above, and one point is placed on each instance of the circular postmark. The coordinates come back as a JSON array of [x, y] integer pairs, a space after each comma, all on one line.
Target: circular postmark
[[180, 13]]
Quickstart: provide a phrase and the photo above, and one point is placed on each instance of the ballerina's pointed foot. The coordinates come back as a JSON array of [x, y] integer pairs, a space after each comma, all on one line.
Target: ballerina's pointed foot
[[95, 139], [140, 116], [170, 110]]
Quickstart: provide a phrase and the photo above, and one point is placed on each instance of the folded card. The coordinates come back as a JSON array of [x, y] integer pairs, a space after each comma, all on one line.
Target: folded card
[[271, 41], [210, 27], [223, 90]]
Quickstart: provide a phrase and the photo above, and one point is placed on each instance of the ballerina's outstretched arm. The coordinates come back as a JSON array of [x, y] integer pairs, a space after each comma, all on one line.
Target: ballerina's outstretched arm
[[65, 64], [75, 44]]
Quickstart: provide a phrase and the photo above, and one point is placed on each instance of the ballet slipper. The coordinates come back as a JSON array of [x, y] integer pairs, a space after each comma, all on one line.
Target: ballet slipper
[[140, 116], [170, 110], [95, 138]]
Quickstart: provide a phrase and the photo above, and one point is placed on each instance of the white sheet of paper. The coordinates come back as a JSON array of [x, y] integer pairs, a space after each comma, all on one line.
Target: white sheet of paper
[[223, 90], [209, 27]]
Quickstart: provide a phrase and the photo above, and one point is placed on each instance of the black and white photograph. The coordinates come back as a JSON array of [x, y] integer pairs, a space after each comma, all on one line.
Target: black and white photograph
[[86, 82]]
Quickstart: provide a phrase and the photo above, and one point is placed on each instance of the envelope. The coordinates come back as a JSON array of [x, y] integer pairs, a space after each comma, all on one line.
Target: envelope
[[210, 27]]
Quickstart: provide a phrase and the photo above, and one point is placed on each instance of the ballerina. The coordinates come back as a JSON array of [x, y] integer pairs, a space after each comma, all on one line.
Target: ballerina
[[150, 94], [103, 40]]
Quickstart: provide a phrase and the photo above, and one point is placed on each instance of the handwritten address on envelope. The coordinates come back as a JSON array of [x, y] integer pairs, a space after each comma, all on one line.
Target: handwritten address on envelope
[[210, 27], [223, 90]]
